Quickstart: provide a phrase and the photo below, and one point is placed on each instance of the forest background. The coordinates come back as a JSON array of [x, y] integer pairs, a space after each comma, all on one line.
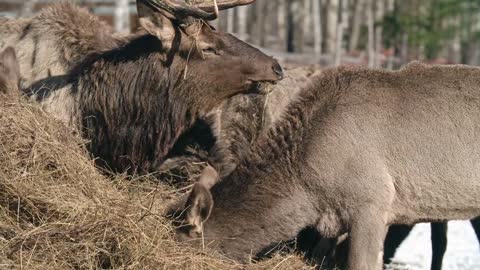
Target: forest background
[[381, 33]]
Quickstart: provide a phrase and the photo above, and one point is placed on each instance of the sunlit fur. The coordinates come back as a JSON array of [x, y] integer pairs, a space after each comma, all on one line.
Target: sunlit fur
[[361, 150]]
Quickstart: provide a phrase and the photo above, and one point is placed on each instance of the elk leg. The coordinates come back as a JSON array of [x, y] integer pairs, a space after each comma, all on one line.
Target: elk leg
[[476, 226], [367, 233], [395, 236], [439, 244], [317, 250]]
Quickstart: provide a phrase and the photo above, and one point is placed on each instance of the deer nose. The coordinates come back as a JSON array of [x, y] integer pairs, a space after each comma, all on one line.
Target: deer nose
[[278, 70]]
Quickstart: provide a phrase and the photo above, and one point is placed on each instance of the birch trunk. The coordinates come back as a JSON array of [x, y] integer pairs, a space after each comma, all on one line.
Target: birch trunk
[[122, 16], [357, 22], [230, 20], [343, 24], [27, 8], [332, 24], [282, 24], [371, 34], [317, 27], [379, 14], [242, 17]]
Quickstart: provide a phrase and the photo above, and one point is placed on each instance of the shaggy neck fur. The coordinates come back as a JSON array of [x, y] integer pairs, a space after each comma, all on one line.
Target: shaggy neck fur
[[132, 106], [278, 153], [262, 188], [282, 144]]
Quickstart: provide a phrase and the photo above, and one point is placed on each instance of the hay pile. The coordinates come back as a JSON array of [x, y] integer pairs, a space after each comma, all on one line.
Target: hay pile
[[58, 212]]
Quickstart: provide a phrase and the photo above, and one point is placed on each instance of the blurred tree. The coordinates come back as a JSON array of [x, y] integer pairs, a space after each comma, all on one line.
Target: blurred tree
[[122, 15], [372, 30]]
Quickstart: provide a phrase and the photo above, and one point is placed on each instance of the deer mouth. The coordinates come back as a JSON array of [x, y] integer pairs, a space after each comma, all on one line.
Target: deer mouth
[[261, 87]]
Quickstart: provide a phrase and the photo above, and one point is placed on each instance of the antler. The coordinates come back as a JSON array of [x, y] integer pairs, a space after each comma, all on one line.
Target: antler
[[206, 11], [222, 5], [179, 9]]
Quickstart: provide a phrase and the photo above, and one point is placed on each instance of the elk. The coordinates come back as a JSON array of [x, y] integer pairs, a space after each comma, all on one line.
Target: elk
[[9, 72], [361, 150], [132, 97]]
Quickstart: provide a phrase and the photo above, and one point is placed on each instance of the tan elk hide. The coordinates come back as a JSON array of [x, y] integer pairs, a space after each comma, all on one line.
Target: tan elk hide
[[361, 150]]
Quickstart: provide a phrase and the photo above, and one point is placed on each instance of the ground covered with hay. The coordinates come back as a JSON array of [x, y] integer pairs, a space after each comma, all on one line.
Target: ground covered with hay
[[57, 211]]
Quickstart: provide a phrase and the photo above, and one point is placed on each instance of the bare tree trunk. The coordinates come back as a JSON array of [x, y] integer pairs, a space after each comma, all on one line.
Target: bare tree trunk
[[270, 20], [259, 33], [379, 14], [294, 25], [122, 16], [291, 7], [317, 27], [341, 28], [332, 24], [390, 8], [357, 24], [27, 8], [371, 34], [282, 24], [242, 17], [300, 20], [404, 49], [230, 20], [307, 22]]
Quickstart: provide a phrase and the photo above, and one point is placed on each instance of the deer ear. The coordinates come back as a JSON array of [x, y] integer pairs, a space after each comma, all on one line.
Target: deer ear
[[199, 207], [200, 202], [156, 23], [9, 61], [8, 57]]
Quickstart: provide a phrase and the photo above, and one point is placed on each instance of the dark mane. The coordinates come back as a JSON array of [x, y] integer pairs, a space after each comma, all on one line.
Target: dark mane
[[132, 96], [135, 116]]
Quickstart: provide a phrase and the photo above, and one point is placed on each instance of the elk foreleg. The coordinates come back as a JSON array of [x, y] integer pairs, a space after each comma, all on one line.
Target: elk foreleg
[[368, 231], [439, 244], [395, 236]]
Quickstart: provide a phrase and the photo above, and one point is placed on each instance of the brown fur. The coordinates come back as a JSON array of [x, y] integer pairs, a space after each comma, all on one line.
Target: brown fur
[[362, 150], [134, 96], [224, 138], [244, 118]]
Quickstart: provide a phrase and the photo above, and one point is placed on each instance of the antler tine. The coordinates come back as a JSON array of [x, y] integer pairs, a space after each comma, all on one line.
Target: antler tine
[[224, 5], [180, 10], [216, 10]]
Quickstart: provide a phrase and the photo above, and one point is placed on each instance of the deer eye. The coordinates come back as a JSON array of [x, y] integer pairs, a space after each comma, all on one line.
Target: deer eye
[[209, 50]]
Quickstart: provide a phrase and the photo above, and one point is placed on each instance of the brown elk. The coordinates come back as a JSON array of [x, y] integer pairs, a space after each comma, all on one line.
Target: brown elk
[[133, 96], [361, 150], [9, 72]]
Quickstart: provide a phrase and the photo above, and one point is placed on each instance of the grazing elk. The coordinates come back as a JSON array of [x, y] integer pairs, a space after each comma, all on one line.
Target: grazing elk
[[361, 150], [244, 118], [9, 72], [133, 97]]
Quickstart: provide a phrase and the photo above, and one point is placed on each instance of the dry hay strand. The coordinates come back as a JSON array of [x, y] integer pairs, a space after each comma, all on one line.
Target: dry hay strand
[[58, 212]]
